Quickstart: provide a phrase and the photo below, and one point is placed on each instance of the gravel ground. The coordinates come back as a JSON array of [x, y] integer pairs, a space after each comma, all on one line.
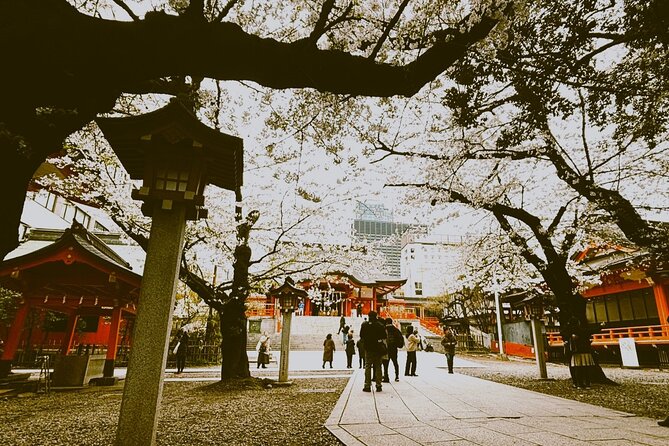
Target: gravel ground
[[643, 392], [236, 413]]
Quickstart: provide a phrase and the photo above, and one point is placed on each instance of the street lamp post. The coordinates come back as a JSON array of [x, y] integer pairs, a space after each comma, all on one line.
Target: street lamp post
[[288, 296], [176, 156]]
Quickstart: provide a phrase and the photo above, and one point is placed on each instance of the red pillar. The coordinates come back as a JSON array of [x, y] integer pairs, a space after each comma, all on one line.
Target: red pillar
[[13, 338], [662, 302], [373, 307], [69, 333], [112, 343]]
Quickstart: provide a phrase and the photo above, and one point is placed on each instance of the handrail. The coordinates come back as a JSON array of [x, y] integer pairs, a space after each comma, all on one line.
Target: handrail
[[611, 335]]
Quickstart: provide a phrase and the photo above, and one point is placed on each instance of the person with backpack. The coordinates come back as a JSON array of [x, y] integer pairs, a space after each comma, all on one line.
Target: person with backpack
[[395, 341], [373, 334]]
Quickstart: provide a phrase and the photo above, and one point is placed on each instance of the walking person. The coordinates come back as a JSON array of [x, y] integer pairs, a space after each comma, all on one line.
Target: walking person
[[373, 334], [361, 352], [262, 347], [328, 350], [350, 351], [412, 346], [342, 323], [182, 350], [358, 310], [448, 342], [344, 332], [395, 341]]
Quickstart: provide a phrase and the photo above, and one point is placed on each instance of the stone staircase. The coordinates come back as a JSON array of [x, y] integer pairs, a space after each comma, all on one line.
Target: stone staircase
[[308, 333]]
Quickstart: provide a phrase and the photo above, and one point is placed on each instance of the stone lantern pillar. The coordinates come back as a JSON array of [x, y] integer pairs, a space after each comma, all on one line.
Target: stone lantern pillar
[[176, 156], [288, 296]]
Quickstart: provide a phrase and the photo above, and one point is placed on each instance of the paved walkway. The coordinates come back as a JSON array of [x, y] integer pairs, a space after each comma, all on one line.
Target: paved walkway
[[436, 408]]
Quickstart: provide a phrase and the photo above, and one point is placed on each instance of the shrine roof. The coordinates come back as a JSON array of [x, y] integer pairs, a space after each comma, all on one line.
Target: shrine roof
[[76, 271]]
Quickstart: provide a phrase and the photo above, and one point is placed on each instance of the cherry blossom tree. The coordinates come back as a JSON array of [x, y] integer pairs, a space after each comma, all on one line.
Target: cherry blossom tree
[[71, 61]]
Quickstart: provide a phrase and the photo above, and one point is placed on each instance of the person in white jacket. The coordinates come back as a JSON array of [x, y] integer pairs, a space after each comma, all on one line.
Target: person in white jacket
[[263, 349]]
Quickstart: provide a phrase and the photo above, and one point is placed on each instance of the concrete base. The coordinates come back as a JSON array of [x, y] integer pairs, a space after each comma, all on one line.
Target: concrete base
[[282, 383]]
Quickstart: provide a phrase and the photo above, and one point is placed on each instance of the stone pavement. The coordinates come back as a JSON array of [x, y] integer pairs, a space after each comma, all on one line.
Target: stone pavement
[[439, 409]]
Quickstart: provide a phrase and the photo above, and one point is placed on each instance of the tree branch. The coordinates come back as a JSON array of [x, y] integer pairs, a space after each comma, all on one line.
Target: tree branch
[[319, 27], [387, 29], [225, 11], [127, 9]]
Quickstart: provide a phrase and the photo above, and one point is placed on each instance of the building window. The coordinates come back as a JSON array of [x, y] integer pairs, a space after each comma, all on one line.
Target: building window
[[418, 287], [637, 306]]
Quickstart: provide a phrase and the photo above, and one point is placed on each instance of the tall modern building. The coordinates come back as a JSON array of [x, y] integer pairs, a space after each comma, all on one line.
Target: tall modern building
[[374, 223]]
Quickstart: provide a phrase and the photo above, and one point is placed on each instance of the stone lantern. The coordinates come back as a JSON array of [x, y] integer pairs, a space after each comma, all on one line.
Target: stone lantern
[[176, 156], [536, 312], [288, 296]]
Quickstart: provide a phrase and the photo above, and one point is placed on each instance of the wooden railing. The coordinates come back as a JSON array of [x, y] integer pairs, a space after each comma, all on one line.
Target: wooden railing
[[257, 310], [610, 336], [399, 314], [432, 324]]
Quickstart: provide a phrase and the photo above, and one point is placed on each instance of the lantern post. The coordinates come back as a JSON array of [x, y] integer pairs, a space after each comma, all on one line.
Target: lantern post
[[176, 156], [288, 296], [536, 320]]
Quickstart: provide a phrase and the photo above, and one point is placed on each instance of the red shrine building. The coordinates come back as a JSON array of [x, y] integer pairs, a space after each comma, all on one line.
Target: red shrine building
[[630, 300], [75, 295], [338, 293]]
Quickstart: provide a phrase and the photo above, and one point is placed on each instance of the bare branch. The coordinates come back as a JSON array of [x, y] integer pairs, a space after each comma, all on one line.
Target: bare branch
[[226, 9], [319, 27], [127, 9], [388, 28]]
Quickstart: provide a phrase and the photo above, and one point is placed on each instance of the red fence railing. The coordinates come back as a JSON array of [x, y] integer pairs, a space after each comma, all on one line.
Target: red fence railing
[[610, 336]]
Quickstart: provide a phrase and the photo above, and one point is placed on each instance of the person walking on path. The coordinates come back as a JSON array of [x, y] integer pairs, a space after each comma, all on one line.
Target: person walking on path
[[342, 324], [395, 341], [361, 352], [358, 310], [373, 334], [263, 351], [182, 350], [412, 346], [345, 331], [350, 351], [328, 350], [448, 342]]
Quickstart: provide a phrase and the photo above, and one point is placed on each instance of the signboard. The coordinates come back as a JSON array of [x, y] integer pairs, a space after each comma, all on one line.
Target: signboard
[[628, 352]]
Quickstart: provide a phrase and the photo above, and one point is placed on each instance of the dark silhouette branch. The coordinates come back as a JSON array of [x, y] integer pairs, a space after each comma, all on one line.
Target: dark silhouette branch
[[387, 29]]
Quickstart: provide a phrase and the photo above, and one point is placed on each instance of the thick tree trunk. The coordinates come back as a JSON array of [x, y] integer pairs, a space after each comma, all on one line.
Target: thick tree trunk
[[13, 183], [234, 360]]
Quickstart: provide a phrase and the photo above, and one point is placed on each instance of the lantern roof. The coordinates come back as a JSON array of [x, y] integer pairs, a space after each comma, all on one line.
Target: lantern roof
[[174, 130], [288, 287]]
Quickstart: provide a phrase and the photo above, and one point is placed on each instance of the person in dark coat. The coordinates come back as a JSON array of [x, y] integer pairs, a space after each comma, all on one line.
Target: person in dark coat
[[350, 351], [581, 358], [328, 350], [394, 341], [449, 342], [373, 334], [182, 349], [361, 352]]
